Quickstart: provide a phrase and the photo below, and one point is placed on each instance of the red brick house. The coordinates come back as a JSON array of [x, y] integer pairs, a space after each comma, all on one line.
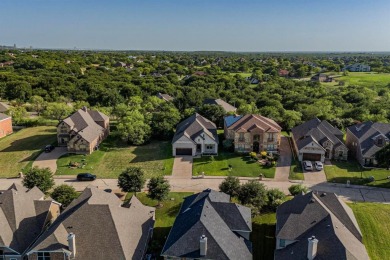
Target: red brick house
[[5, 125]]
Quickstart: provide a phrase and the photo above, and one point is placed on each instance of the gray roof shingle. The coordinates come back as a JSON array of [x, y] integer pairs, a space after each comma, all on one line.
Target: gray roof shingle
[[97, 218], [3, 116], [194, 126], [327, 218], [210, 213], [3, 107]]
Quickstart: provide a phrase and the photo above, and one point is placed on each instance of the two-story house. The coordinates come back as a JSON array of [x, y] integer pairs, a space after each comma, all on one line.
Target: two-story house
[[209, 226], [83, 131], [364, 140], [317, 225], [252, 133], [317, 140], [195, 135]]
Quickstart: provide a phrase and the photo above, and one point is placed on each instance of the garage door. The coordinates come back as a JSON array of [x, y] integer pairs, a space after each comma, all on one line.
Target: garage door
[[183, 151], [311, 157]]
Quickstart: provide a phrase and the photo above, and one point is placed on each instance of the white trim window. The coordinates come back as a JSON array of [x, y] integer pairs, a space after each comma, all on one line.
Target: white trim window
[[43, 255]]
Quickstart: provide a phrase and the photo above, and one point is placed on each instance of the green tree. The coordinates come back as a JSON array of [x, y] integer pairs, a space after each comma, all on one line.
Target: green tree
[[57, 111], [131, 180], [297, 189], [17, 113], [231, 186], [214, 113], [133, 128], [64, 194], [165, 120], [38, 104], [158, 189], [383, 156], [253, 193], [40, 177], [275, 198]]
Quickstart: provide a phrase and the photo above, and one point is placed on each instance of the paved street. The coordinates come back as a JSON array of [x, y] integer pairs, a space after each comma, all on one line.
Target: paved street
[[49, 160], [182, 167], [283, 166]]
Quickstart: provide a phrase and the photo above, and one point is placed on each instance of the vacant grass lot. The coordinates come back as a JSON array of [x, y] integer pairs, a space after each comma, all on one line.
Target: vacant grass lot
[[21, 148], [342, 171], [165, 217], [114, 156], [242, 165], [365, 79], [374, 222]]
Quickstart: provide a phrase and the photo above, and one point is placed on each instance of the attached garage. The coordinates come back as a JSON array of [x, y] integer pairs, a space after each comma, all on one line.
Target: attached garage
[[311, 157], [183, 151]]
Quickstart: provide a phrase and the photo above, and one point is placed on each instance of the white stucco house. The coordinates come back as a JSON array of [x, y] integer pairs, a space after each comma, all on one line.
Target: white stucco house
[[195, 135]]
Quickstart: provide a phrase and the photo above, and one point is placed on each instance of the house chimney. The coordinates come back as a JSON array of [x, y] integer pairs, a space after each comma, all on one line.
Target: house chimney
[[84, 108], [203, 245], [312, 248], [72, 244]]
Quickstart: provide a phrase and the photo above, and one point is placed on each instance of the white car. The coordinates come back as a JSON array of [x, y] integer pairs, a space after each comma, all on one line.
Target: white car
[[307, 165], [319, 166]]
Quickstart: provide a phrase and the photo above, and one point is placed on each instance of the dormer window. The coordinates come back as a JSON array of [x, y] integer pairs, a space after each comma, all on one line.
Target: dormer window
[[241, 138], [380, 141]]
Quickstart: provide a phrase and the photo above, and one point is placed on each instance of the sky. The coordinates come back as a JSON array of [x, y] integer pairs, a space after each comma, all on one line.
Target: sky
[[183, 25]]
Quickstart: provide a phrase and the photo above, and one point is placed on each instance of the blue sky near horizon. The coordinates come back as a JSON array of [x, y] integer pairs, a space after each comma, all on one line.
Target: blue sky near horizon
[[246, 25]]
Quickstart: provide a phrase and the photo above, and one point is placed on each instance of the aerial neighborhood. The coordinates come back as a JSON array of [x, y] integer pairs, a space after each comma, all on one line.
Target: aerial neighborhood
[[193, 156]]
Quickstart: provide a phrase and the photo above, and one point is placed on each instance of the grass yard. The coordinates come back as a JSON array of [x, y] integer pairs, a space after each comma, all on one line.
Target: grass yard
[[242, 166], [155, 158], [19, 150], [296, 172], [342, 171], [374, 222], [263, 236], [365, 79], [165, 217]]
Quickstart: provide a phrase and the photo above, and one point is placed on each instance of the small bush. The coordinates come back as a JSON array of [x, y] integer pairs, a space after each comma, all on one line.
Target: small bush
[[275, 198], [297, 189]]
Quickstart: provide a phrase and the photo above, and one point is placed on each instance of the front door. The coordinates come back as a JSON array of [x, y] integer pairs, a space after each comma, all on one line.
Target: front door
[[198, 148], [256, 147]]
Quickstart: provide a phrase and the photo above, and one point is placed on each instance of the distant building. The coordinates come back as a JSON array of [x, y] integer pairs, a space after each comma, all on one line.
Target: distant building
[[219, 102], [253, 80], [3, 107], [83, 131], [283, 73], [357, 67], [365, 139], [321, 77], [165, 97], [120, 64], [199, 73], [209, 226], [5, 125], [317, 225]]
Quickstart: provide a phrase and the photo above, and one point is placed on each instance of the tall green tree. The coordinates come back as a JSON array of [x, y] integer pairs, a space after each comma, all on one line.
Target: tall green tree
[[133, 128], [64, 194], [253, 193], [18, 114], [131, 180], [230, 185], [38, 104], [164, 120], [158, 189], [57, 111], [214, 113], [40, 177]]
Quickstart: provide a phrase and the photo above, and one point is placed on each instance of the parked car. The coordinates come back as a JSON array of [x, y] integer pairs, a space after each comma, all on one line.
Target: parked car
[[319, 166], [86, 177], [49, 148], [307, 165]]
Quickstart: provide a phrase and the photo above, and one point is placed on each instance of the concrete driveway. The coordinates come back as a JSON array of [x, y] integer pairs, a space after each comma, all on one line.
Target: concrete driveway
[[49, 160], [182, 167], [284, 163], [314, 177]]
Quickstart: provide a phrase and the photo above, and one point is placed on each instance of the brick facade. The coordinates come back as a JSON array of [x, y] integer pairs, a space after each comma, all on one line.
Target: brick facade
[[5, 127]]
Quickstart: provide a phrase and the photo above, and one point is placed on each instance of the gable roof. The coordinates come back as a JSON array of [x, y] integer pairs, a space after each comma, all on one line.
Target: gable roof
[[210, 213], [229, 120], [251, 121], [4, 116], [165, 97], [317, 130], [22, 216], [83, 122], [194, 126], [366, 133], [3, 107], [327, 218], [97, 218], [219, 102]]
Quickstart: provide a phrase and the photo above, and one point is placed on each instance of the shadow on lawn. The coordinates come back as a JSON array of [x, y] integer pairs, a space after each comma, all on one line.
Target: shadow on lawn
[[160, 235], [154, 150], [28, 143], [263, 240]]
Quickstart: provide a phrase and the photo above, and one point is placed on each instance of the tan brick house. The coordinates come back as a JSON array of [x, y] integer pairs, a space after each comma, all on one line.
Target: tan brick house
[[252, 133], [5, 125], [83, 131]]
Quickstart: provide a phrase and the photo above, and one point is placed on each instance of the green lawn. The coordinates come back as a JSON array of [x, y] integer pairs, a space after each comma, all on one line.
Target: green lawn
[[19, 150], [374, 222], [263, 236], [365, 79], [342, 171], [296, 172], [165, 217], [155, 158], [242, 165]]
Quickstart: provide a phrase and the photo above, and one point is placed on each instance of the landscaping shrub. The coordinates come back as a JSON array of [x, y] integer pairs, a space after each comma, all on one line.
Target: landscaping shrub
[[253, 193], [231, 186], [275, 198], [297, 189], [64, 194], [40, 177]]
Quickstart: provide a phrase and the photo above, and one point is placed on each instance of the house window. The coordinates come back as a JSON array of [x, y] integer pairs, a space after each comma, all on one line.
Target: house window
[[209, 147], [43, 256], [271, 147], [241, 138], [270, 137], [380, 141], [341, 153], [282, 243]]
